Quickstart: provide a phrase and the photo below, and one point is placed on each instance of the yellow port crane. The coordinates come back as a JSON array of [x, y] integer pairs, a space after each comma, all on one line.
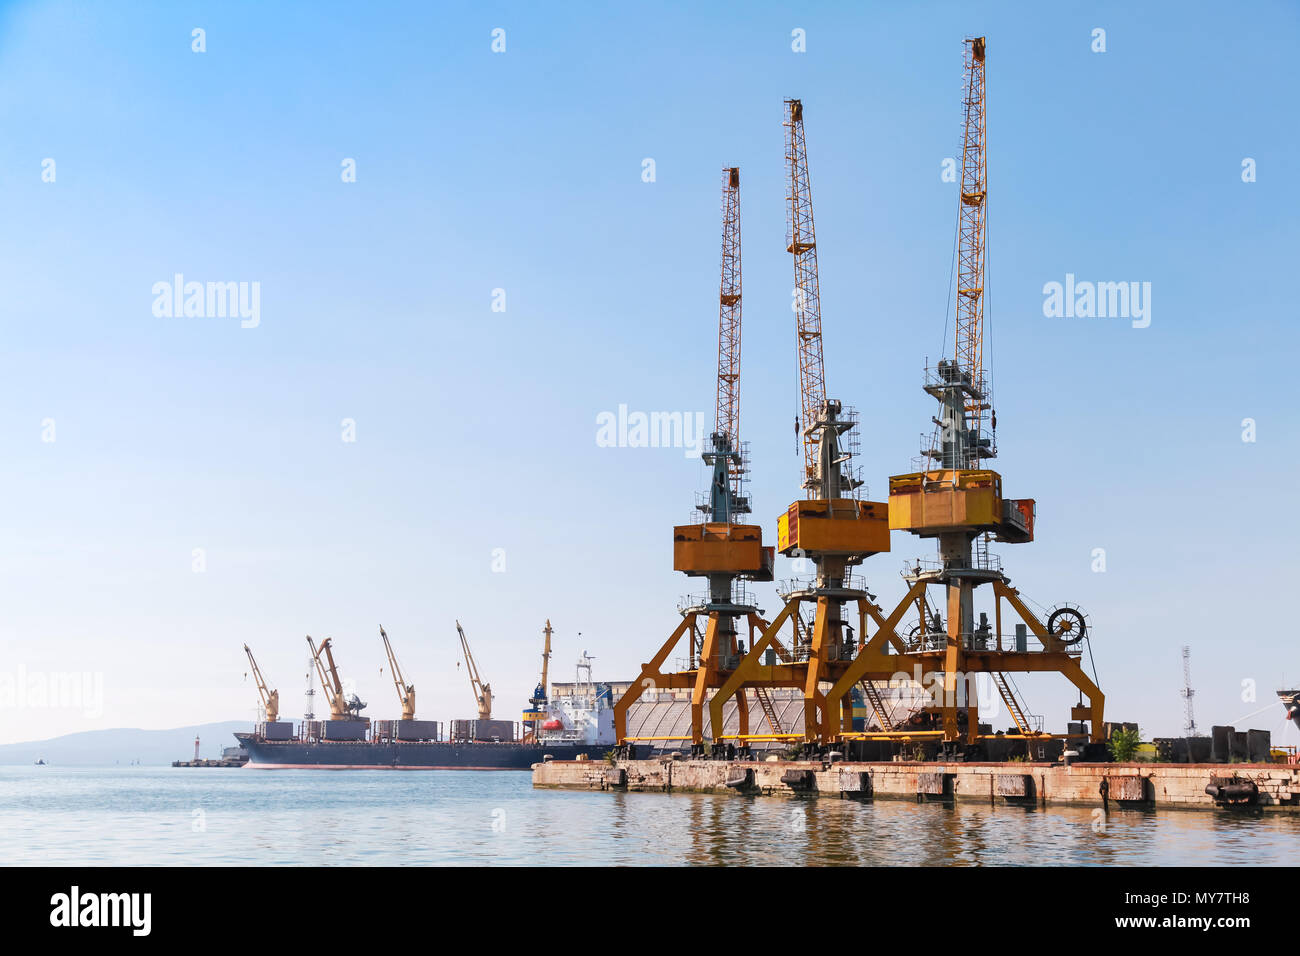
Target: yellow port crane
[[341, 707], [482, 691], [958, 501], [405, 691], [832, 527], [270, 698], [723, 547]]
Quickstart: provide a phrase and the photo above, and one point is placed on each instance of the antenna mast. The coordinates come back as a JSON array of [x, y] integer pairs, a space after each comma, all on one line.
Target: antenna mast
[[1189, 727], [310, 704]]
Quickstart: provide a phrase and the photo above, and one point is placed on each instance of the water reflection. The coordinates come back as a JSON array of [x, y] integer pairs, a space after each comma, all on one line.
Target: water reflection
[[142, 815]]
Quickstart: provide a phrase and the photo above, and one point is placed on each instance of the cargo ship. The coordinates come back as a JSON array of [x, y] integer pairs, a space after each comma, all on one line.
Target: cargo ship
[[430, 744], [574, 722]]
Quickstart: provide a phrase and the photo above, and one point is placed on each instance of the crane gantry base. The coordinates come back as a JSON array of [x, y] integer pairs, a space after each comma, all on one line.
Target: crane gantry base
[[718, 652], [819, 660], [947, 658], [886, 656]]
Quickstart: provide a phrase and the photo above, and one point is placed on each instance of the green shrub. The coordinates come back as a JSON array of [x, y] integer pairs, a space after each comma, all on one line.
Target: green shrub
[[1123, 745]]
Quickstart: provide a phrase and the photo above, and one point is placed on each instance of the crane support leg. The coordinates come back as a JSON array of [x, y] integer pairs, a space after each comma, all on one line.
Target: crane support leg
[[1073, 671], [952, 664], [817, 652], [1012, 597], [833, 706], [873, 657], [706, 676], [651, 676], [749, 668]]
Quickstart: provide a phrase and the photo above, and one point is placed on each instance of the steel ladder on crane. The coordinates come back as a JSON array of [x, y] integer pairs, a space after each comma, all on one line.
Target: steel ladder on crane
[[769, 711], [1013, 706], [877, 702]]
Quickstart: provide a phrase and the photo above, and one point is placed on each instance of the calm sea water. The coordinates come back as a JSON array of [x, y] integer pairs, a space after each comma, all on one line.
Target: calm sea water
[[151, 815]]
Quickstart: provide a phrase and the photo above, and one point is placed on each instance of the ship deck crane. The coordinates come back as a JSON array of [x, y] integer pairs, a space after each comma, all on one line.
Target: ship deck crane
[[270, 698], [342, 707], [482, 691], [405, 691], [533, 717], [719, 548]]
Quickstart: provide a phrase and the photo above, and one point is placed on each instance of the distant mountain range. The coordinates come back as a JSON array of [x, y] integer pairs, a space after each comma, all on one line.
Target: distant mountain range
[[126, 745]]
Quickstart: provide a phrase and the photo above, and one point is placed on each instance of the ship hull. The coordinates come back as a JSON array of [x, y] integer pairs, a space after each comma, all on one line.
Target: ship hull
[[1291, 701], [406, 755]]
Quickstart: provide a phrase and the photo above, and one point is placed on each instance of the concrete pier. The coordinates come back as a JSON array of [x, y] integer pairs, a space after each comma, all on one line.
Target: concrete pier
[[1266, 786]]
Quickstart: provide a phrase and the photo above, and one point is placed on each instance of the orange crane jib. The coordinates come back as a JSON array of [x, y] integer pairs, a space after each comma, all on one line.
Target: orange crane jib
[[802, 244]]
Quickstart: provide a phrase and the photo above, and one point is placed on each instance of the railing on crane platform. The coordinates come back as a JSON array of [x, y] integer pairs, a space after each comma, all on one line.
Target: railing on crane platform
[[741, 596], [789, 586], [981, 559]]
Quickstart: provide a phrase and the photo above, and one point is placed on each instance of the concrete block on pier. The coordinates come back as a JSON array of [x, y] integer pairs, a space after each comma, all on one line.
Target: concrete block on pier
[[1220, 744], [1238, 749], [1259, 744]]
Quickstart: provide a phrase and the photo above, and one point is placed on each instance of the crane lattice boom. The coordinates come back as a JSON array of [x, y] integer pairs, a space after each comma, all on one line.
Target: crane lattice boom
[[727, 415], [969, 344], [807, 300]]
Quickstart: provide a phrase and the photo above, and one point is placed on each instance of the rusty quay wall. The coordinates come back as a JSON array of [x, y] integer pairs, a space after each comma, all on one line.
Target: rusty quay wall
[[1160, 786]]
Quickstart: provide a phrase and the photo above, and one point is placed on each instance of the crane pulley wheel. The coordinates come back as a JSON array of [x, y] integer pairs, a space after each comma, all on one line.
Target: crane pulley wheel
[[1067, 624]]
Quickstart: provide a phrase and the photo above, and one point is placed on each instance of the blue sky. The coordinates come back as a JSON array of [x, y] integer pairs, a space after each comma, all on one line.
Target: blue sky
[[475, 429]]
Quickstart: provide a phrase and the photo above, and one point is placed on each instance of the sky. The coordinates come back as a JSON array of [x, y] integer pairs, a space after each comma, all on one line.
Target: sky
[[404, 433]]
